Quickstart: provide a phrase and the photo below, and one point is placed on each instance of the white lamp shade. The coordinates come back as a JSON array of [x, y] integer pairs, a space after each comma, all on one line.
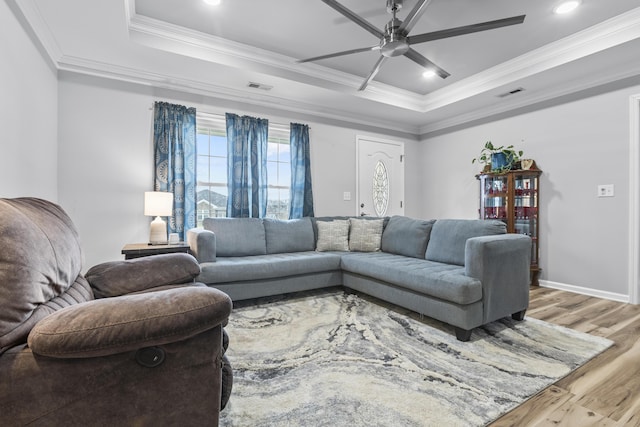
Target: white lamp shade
[[158, 203]]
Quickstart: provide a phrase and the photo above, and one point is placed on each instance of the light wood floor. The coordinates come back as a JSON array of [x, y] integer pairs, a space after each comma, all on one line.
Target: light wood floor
[[603, 392]]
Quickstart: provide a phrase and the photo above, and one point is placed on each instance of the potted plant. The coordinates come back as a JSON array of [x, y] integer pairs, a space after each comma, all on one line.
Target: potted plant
[[498, 159]]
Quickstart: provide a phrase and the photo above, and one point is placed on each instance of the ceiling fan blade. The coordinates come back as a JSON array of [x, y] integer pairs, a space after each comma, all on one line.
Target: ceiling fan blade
[[355, 18], [373, 73], [414, 15], [346, 52], [413, 55], [467, 29]]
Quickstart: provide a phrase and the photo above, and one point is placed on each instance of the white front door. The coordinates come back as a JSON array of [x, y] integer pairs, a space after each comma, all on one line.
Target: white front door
[[380, 174]]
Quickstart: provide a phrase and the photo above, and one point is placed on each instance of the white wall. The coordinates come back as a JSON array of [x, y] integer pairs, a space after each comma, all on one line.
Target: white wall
[[28, 115], [106, 159], [578, 145]]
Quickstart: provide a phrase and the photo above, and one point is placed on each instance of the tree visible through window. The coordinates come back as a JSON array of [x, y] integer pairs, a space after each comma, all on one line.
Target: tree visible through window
[[211, 169]]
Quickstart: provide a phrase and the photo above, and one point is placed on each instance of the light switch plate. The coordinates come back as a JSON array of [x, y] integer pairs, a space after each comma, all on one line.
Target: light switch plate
[[605, 190], [346, 195]]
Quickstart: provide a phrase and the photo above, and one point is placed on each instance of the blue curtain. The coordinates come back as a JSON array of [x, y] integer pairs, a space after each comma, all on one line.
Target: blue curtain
[[301, 192], [174, 140], [247, 166]]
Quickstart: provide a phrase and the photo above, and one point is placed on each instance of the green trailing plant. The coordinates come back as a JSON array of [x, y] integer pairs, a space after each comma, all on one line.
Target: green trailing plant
[[489, 150]]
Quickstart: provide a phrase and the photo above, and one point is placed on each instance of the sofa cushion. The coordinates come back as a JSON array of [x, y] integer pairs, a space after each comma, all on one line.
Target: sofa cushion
[[234, 269], [449, 237], [406, 236], [365, 234], [237, 236], [443, 281], [295, 235], [333, 235]]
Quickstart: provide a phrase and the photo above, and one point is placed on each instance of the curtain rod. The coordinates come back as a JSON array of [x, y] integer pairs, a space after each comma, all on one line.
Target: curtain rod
[[221, 117]]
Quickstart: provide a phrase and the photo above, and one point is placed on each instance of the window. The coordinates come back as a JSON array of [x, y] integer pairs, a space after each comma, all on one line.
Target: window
[[211, 140], [278, 172], [211, 169]]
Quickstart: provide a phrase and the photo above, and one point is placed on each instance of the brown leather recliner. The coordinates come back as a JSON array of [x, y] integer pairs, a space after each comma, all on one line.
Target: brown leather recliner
[[133, 342]]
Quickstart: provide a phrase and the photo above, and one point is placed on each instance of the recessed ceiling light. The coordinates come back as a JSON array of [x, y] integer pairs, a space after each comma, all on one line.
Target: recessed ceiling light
[[212, 2], [429, 74], [567, 6]]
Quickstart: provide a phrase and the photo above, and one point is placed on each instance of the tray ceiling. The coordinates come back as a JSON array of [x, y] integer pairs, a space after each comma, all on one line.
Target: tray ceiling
[[189, 46]]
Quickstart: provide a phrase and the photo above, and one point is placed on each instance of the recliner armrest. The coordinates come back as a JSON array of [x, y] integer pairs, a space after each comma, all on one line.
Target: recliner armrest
[[111, 279], [202, 244], [117, 325]]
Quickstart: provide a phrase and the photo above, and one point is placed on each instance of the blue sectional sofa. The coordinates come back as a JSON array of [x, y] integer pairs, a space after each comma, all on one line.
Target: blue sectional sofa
[[463, 272]]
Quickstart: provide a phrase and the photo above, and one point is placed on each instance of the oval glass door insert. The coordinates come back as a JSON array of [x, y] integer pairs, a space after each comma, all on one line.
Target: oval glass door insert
[[380, 188]]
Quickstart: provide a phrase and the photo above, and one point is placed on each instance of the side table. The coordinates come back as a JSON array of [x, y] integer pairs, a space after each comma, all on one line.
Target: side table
[[138, 250]]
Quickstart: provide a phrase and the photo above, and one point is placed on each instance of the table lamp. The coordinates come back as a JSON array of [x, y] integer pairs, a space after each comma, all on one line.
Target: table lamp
[[158, 203]]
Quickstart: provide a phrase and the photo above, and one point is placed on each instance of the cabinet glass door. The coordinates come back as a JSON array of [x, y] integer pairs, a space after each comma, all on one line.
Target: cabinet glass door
[[495, 201], [526, 210]]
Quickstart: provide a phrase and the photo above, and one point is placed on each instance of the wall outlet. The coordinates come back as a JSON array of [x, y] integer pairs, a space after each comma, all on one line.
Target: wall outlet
[[346, 195], [605, 190]]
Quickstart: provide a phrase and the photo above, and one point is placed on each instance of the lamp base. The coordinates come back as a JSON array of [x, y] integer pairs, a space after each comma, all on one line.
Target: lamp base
[[158, 232]]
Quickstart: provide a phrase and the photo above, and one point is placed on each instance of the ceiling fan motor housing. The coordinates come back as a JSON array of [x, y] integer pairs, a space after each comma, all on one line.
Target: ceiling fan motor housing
[[394, 42]]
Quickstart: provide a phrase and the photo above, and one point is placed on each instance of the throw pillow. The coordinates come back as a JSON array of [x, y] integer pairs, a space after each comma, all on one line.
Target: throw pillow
[[333, 236], [365, 234], [406, 236]]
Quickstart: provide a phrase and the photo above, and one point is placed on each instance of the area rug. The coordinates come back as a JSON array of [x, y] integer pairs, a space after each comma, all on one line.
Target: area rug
[[338, 359]]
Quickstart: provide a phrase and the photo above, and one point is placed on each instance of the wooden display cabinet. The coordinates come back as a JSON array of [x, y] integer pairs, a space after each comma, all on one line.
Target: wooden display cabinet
[[513, 197]]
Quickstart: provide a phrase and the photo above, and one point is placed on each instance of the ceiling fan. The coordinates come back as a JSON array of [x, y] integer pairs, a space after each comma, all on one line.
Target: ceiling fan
[[395, 39]]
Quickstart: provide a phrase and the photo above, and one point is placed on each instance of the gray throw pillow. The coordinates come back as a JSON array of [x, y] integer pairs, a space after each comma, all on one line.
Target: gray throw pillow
[[406, 236], [294, 235], [237, 236], [365, 235], [333, 236]]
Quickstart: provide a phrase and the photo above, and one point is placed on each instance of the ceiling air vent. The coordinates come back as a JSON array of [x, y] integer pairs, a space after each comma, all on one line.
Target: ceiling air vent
[[511, 92], [254, 85]]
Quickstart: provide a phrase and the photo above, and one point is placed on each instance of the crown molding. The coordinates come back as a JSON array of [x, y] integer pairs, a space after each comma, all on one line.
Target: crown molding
[[244, 95], [184, 41], [575, 86], [613, 32]]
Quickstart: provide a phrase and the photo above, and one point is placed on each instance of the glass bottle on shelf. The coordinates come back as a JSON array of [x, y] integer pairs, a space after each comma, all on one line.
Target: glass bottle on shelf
[[513, 198]]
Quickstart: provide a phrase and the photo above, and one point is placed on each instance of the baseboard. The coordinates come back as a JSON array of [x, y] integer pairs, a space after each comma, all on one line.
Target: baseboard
[[585, 291]]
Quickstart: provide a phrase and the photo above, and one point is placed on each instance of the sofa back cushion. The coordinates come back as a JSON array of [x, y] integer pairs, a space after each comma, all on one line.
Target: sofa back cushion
[[294, 235], [40, 264], [406, 236], [237, 236], [449, 237]]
